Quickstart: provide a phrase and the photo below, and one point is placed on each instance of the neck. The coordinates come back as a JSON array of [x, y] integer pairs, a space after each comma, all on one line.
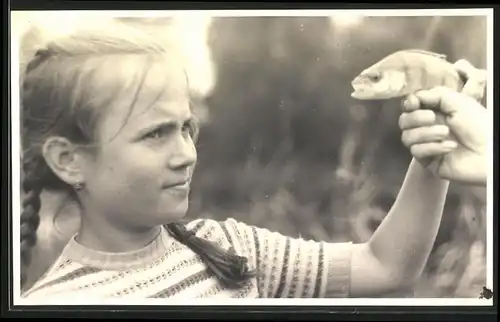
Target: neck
[[99, 234]]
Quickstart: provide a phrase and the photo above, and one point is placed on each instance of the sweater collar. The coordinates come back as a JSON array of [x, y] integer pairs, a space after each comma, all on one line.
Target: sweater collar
[[118, 261]]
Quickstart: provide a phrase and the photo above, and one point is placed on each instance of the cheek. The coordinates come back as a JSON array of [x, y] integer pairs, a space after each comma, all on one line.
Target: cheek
[[127, 170]]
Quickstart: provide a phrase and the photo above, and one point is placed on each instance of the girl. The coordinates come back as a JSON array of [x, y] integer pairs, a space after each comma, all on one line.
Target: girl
[[106, 118]]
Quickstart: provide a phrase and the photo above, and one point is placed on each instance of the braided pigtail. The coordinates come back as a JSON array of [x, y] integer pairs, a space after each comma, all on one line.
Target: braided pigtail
[[231, 269], [30, 218]]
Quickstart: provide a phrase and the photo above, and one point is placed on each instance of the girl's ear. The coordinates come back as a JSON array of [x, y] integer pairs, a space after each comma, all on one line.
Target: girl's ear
[[64, 159]]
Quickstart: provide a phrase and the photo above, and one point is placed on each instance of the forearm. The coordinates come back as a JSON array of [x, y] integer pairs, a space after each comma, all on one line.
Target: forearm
[[403, 241]]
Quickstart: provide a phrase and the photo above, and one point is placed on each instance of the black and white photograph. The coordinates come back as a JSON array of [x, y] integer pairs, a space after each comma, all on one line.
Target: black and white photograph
[[267, 157]]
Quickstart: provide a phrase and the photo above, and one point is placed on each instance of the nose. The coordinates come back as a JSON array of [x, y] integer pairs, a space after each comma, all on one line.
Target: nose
[[184, 154]]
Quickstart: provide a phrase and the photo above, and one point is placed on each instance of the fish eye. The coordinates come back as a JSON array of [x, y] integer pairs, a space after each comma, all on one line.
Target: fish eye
[[375, 77]]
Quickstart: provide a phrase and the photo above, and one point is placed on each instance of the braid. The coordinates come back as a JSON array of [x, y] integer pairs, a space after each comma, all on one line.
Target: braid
[[30, 219], [230, 268]]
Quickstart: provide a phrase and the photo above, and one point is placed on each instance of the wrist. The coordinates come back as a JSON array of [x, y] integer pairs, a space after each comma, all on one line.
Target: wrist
[[428, 173], [430, 169]]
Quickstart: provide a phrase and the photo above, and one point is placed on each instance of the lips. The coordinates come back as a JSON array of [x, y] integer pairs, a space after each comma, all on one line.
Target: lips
[[178, 184]]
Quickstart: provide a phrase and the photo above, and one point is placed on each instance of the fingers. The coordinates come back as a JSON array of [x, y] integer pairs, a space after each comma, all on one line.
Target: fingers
[[476, 79], [425, 150], [428, 134], [443, 98], [417, 118], [411, 103], [447, 99]]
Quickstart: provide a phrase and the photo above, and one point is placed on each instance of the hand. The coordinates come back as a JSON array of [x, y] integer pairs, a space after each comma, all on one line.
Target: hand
[[464, 158]]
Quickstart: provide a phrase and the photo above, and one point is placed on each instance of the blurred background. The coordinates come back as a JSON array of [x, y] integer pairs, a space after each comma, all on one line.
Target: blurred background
[[283, 145]]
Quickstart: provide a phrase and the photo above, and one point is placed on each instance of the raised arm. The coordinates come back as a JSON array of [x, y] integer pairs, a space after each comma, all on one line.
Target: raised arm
[[397, 252], [391, 260]]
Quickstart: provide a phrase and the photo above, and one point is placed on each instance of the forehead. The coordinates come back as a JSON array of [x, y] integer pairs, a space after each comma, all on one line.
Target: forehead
[[149, 88]]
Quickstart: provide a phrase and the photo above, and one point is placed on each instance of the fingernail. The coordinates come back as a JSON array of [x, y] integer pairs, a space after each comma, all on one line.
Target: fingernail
[[444, 129], [450, 145], [406, 105], [411, 103]]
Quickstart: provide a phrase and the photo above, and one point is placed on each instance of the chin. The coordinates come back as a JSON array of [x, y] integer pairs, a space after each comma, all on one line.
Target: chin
[[175, 212], [175, 216]]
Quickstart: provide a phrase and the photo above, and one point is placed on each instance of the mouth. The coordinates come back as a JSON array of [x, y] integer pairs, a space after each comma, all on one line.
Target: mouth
[[178, 185]]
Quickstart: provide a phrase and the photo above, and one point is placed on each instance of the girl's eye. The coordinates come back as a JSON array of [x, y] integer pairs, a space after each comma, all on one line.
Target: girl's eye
[[160, 133], [156, 134], [188, 128]]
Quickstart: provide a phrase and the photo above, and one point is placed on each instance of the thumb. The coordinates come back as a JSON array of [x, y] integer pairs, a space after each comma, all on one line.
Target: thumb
[[444, 100], [462, 114]]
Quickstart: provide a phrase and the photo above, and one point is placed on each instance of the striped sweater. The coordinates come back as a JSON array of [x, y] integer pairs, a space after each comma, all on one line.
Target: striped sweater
[[285, 267]]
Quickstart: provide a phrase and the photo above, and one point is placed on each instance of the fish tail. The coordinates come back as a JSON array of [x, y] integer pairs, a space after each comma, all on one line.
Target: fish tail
[[453, 80]]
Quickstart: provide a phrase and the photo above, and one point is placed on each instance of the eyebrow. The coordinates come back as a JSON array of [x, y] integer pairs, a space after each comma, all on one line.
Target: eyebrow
[[167, 124]]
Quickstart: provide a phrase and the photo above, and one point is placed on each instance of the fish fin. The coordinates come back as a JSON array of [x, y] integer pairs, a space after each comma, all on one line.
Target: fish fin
[[426, 52]]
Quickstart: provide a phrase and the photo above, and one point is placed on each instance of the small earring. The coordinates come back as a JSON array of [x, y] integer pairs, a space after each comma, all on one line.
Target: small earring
[[78, 186]]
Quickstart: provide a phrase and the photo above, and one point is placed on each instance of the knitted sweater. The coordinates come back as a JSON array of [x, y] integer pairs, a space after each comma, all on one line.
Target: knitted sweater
[[285, 267]]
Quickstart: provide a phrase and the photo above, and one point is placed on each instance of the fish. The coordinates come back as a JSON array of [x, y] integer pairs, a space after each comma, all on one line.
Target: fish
[[405, 72]]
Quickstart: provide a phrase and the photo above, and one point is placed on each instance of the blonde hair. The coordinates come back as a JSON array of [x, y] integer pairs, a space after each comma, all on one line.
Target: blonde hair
[[56, 100]]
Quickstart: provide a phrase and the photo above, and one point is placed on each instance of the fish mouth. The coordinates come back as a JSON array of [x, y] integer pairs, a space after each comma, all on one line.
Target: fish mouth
[[359, 90], [367, 95], [362, 94]]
